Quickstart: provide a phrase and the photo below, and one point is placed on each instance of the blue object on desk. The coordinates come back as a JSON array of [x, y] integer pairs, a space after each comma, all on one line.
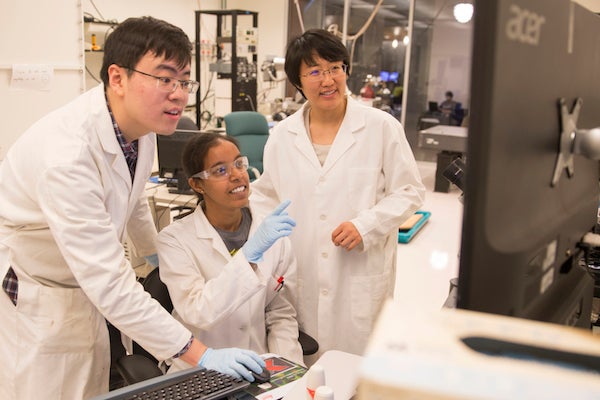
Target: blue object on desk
[[406, 236]]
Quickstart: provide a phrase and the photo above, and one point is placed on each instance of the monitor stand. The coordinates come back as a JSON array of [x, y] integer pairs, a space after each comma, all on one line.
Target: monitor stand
[[182, 185]]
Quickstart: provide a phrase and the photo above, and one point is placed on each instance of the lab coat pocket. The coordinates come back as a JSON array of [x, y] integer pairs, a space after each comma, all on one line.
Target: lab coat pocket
[[275, 285], [367, 296], [362, 187], [58, 329], [56, 320]]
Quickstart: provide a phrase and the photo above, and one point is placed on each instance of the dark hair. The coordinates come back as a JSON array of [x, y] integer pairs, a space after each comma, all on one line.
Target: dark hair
[[449, 94], [195, 150], [313, 42], [135, 37]]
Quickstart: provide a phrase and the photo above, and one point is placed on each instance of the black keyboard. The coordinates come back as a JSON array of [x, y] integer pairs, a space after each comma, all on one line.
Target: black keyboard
[[195, 383]]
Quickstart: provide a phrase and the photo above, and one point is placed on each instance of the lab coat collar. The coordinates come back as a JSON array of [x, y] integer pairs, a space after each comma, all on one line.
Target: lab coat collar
[[110, 145], [106, 135], [354, 121], [205, 231]]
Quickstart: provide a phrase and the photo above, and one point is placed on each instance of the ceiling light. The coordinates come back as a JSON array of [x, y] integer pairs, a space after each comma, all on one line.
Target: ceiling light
[[395, 43], [463, 12]]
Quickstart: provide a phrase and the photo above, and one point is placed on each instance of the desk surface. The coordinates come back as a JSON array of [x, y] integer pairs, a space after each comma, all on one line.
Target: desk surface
[[159, 192], [341, 374], [426, 264], [447, 130], [444, 137]]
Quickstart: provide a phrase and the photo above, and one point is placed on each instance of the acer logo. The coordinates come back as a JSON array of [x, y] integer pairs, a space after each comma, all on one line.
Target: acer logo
[[524, 26]]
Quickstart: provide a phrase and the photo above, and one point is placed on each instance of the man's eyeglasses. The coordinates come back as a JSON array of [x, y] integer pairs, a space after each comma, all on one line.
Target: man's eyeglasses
[[222, 171], [167, 84], [318, 74]]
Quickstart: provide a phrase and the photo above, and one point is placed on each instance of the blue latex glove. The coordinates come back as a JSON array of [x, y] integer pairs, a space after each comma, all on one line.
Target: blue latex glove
[[152, 259], [233, 361], [277, 225]]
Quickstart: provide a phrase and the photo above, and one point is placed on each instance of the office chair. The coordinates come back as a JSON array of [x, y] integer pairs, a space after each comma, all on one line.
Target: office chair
[[251, 130], [141, 365], [186, 124]]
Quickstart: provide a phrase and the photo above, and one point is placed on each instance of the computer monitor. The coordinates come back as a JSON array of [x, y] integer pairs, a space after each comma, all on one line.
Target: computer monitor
[[525, 209], [393, 76], [384, 76], [433, 106], [170, 148]]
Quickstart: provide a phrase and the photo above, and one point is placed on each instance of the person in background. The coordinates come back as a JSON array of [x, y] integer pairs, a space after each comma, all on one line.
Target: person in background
[[71, 192], [352, 179], [230, 273], [447, 109]]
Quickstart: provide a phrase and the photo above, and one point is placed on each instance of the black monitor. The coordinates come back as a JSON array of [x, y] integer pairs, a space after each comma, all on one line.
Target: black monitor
[[433, 106], [384, 76], [394, 76], [170, 149], [528, 200]]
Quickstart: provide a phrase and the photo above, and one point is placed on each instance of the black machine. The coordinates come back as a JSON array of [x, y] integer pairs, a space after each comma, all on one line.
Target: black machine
[[531, 192], [234, 61]]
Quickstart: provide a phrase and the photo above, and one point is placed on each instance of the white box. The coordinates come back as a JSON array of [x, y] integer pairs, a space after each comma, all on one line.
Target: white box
[[415, 355]]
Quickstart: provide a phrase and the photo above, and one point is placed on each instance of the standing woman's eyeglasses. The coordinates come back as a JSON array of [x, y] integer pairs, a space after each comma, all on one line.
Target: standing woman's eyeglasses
[[318, 74]]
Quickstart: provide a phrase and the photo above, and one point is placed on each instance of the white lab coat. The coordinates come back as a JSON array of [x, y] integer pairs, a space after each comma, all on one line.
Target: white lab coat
[[67, 204], [220, 298], [370, 178]]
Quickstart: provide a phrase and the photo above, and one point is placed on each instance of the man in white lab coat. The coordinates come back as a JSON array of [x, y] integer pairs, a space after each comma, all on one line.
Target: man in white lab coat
[[71, 191]]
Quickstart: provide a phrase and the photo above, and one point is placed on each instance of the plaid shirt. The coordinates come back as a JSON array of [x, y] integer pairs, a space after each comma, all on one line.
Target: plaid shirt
[[10, 283], [130, 150]]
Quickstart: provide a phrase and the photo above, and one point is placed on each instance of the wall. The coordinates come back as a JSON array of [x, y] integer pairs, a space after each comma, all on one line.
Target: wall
[[450, 64], [56, 40]]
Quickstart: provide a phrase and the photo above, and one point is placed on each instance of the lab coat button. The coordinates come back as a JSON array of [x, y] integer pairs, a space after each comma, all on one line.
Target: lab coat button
[[324, 255], [323, 217], [324, 292], [322, 179]]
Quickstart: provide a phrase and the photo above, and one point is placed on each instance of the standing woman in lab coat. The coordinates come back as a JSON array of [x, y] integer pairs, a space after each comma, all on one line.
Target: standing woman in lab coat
[[71, 192], [352, 179], [224, 292]]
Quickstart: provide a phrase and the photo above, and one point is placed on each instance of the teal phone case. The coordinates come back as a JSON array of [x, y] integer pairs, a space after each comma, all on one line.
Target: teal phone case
[[406, 236]]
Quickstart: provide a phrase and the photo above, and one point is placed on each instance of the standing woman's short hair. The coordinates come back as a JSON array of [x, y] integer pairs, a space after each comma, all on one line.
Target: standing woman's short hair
[[313, 42]]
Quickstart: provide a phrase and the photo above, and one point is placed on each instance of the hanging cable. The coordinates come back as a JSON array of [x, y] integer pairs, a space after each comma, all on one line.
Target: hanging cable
[[299, 15], [366, 24], [96, 8]]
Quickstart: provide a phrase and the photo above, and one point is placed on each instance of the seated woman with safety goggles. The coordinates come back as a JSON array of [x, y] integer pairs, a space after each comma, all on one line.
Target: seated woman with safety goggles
[[230, 273]]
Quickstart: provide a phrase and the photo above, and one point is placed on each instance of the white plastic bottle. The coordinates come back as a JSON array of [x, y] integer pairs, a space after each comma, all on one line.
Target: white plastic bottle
[[315, 377]]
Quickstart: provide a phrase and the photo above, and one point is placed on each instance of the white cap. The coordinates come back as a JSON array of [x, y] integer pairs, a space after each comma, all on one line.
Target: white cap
[[324, 393]]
